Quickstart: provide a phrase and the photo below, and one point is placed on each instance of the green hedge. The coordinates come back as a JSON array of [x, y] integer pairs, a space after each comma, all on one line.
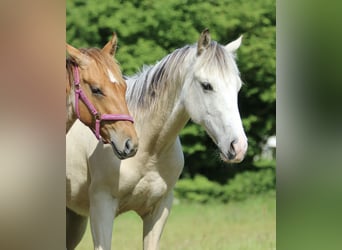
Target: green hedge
[[245, 184]]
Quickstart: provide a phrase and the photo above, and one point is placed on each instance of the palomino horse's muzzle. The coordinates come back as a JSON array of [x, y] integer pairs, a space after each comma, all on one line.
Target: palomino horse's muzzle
[[79, 94]]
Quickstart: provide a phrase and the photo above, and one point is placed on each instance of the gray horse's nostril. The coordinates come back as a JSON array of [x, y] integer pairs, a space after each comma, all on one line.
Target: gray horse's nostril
[[231, 151]]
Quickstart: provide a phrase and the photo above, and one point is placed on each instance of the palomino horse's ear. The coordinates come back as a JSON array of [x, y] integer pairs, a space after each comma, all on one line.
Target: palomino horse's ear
[[234, 45], [110, 47], [81, 59], [203, 41]]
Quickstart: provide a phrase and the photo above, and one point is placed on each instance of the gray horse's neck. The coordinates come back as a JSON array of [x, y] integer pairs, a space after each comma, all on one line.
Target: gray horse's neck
[[154, 99]]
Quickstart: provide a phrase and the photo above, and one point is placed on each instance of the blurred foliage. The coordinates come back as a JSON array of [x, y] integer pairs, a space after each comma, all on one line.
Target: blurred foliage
[[199, 189], [243, 185], [149, 29]]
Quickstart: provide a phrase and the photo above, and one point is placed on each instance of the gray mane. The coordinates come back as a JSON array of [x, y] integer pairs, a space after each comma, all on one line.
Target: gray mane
[[154, 80], [161, 80]]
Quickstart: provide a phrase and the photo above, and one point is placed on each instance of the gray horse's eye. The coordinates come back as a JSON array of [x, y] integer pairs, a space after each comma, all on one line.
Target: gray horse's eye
[[207, 86]]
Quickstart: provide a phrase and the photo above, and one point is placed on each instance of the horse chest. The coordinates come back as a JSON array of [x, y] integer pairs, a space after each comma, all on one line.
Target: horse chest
[[147, 191], [150, 186], [146, 179]]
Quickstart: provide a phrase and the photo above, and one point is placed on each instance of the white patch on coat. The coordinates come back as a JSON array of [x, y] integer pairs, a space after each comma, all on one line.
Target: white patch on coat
[[111, 77]]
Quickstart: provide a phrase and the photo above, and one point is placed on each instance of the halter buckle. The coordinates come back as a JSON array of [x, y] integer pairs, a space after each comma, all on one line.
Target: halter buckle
[[97, 116]]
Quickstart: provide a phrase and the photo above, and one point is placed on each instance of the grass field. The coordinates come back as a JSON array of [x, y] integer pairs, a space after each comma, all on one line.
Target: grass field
[[250, 224]]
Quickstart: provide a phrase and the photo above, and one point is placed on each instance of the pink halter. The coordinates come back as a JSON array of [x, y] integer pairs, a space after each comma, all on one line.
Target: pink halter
[[98, 117]]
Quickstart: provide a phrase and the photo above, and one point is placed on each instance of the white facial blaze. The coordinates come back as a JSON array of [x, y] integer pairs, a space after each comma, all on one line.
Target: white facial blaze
[[111, 77]]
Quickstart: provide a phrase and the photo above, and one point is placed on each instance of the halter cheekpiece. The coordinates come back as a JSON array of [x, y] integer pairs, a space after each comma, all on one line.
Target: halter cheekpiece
[[79, 94]]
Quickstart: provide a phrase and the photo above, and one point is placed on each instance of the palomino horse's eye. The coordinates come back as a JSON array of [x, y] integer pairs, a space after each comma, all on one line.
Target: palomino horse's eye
[[206, 86], [96, 91]]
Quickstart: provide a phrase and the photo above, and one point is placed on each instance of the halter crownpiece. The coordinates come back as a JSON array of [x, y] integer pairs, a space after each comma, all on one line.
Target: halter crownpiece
[[79, 94]]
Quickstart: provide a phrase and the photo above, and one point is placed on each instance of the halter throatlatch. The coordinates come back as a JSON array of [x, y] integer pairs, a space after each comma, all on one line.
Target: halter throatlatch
[[79, 94]]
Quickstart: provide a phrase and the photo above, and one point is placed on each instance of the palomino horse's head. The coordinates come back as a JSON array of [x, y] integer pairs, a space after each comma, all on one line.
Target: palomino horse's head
[[103, 86], [212, 96]]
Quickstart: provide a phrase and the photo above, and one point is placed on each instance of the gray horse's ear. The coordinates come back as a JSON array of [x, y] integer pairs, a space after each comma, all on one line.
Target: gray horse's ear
[[234, 45], [110, 47], [203, 41], [81, 59]]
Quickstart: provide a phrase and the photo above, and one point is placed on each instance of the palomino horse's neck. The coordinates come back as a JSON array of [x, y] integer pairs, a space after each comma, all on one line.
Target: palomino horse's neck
[[159, 106], [70, 97]]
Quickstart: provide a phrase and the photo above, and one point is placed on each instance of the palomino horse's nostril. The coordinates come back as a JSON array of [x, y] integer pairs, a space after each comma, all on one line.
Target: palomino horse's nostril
[[231, 151], [128, 147]]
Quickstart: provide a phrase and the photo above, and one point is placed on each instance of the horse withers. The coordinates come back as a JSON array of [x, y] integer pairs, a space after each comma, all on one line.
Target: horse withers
[[199, 82], [95, 94]]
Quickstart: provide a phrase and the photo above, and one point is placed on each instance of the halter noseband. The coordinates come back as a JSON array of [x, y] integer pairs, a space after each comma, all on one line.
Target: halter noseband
[[79, 94]]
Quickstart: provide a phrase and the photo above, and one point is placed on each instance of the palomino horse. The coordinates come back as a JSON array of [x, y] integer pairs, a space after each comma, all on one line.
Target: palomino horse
[[95, 93], [200, 82]]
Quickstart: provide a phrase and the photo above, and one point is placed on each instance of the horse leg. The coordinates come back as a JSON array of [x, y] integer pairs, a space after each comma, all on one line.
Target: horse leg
[[102, 212], [75, 228], [154, 223]]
